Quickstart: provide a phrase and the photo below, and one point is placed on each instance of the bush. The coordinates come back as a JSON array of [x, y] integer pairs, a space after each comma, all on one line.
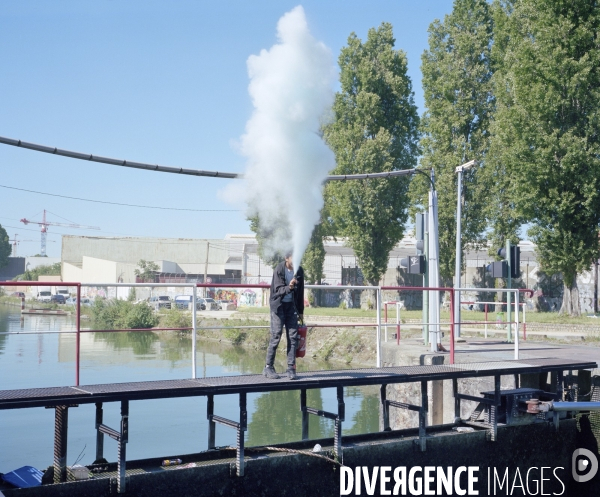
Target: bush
[[234, 335], [118, 314], [175, 318], [140, 316]]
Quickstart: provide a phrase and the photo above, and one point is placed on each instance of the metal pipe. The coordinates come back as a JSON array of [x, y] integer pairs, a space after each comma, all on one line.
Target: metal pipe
[[575, 406], [115, 162]]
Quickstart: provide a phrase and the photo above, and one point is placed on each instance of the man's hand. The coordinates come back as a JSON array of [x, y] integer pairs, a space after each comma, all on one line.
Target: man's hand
[[293, 283]]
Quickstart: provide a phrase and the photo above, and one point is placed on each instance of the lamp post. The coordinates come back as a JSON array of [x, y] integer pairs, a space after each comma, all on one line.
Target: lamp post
[[459, 170]]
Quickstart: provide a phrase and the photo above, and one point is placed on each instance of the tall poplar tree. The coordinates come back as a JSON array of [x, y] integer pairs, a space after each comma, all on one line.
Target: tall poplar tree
[[546, 130], [459, 103], [374, 129]]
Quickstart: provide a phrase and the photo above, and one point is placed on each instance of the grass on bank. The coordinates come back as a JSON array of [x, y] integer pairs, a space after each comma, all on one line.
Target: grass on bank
[[466, 315]]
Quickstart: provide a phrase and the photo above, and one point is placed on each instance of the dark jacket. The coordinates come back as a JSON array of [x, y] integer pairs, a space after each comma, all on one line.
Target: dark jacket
[[280, 289]]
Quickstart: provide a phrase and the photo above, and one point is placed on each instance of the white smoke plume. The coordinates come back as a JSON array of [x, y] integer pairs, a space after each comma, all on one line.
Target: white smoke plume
[[291, 86]]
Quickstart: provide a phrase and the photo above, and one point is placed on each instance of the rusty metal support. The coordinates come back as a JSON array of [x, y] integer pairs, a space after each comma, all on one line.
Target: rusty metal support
[[423, 416], [122, 445], [210, 410], [61, 422], [385, 407], [305, 414], [99, 434]]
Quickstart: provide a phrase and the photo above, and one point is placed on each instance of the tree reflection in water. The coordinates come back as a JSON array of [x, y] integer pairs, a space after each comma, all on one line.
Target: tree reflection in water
[[277, 418], [140, 342]]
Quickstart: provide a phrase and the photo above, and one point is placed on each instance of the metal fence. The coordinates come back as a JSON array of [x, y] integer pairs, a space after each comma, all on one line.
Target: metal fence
[[216, 287]]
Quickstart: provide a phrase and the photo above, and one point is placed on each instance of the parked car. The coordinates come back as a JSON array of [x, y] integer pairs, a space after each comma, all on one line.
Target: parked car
[[84, 301], [185, 302], [210, 305], [44, 296], [160, 302], [226, 305], [21, 295], [58, 299]]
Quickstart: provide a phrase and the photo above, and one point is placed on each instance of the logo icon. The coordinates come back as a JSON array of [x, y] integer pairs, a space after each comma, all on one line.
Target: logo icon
[[584, 465]]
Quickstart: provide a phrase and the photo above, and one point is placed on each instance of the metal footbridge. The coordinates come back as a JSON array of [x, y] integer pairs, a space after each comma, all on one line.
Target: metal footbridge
[[61, 398]]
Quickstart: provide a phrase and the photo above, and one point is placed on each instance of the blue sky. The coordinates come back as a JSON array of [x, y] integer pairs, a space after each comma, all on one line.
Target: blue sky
[[159, 82]]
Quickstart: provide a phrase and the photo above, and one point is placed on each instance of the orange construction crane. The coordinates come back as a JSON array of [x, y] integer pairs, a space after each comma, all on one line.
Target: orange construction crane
[[44, 224]]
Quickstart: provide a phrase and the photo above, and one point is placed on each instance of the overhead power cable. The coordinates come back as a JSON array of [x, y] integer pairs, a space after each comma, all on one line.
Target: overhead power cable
[[179, 170], [118, 203]]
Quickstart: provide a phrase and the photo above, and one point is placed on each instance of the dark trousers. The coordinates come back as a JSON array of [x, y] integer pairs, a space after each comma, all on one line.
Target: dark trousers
[[285, 316]]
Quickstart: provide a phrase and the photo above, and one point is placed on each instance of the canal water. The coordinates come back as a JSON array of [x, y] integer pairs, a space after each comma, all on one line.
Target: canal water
[[157, 427]]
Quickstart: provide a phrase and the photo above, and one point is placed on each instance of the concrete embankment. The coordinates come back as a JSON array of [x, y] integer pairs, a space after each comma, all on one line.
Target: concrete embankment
[[517, 451]]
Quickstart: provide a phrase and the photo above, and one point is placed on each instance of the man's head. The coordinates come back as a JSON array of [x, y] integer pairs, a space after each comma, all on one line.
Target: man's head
[[288, 260]]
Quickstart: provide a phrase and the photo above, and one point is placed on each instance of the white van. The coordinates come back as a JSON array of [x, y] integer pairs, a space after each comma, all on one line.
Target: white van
[[44, 296]]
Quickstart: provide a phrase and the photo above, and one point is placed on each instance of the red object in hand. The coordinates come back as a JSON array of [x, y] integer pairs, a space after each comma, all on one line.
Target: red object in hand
[[301, 346]]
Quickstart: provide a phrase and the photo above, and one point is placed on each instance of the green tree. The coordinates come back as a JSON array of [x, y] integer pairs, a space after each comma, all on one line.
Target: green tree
[[267, 252], [35, 273], [546, 129], [459, 103], [314, 257], [146, 270], [5, 248], [374, 129]]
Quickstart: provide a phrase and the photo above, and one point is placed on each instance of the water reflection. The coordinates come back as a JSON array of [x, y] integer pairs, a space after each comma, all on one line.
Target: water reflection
[[277, 418], [141, 343], [39, 360]]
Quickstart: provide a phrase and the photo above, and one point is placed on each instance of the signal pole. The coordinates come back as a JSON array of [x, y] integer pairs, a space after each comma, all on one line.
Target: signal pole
[[508, 286]]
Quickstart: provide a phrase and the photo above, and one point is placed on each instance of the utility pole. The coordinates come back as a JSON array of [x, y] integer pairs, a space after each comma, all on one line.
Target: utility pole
[[458, 268], [206, 267]]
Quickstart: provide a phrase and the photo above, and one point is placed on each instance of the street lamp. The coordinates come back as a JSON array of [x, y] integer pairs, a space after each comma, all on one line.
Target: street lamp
[[459, 170]]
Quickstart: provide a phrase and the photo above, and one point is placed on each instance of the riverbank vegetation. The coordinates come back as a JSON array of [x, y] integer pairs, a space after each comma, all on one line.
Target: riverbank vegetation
[[121, 314]]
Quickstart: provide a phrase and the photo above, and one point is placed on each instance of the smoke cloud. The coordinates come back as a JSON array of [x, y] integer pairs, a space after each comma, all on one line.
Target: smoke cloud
[[291, 86]]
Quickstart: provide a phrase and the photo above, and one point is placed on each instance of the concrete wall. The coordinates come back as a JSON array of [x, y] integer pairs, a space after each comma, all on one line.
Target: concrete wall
[[71, 272], [518, 449], [185, 252]]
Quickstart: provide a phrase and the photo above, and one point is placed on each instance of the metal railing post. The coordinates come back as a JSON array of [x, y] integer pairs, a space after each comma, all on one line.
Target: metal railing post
[[452, 326], [379, 327], [398, 323], [385, 317], [194, 323], [78, 336], [516, 324], [524, 322], [486, 320]]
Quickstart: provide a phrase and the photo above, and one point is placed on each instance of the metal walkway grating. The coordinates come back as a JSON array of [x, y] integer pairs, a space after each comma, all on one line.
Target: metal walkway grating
[[113, 392]]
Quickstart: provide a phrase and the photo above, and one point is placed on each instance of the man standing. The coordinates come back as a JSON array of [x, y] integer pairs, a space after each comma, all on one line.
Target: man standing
[[287, 305]]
